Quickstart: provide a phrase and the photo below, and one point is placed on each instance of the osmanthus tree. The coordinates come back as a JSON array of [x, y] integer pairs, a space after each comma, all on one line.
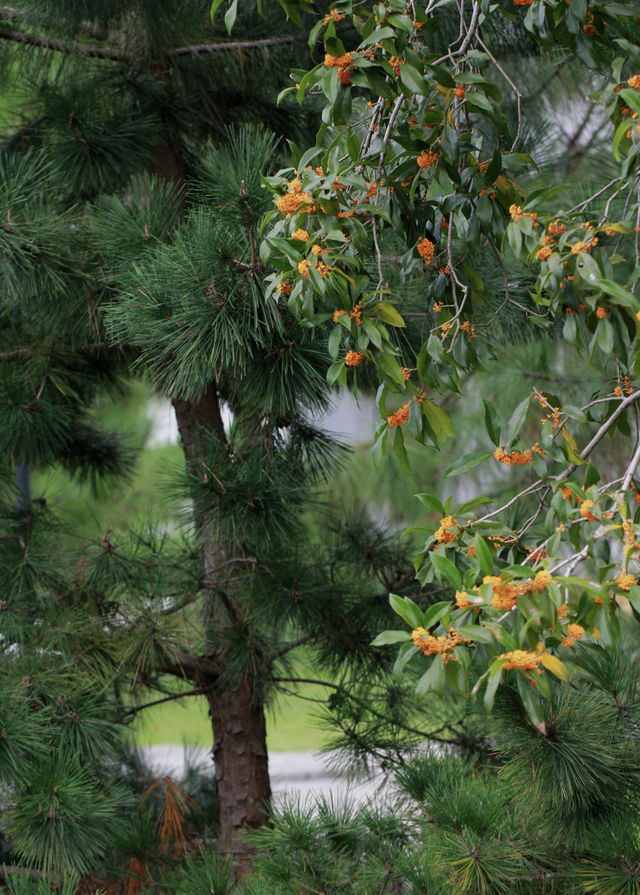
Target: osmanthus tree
[[129, 246], [425, 169]]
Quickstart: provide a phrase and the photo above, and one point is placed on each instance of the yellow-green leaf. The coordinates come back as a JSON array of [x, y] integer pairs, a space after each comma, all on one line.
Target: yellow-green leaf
[[555, 666]]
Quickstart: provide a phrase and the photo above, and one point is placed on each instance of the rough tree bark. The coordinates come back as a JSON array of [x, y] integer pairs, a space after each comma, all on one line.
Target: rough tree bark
[[243, 788]]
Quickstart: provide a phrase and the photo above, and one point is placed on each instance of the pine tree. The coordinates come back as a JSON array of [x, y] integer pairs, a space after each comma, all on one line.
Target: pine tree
[[130, 246], [93, 181]]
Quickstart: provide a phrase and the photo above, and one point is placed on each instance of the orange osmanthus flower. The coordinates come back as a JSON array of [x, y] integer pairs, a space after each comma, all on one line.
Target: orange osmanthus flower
[[574, 632], [444, 534], [400, 416], [426, 250], [427, 159], [625, 580], [519, 658], [556, 228], [431, 646], [293, 199], [353, 358]]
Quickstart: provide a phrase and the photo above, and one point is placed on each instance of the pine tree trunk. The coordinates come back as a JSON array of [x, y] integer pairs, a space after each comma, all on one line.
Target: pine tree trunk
[[237, 715], [242, 770]]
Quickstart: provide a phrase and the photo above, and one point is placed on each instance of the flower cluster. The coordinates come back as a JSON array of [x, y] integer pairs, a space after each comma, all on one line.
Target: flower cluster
[[332, 16], [427, 159], [623, 387], [426, 250], [555, 415], [585, 511], [445, 644], [625, 580], [400, 416], [556, 228], [581, 246], [293, 198], [444, 533], [505, 593], [353, 358], [520, 458], [516, 213], [574, 632], [519, 658], [342, 63]]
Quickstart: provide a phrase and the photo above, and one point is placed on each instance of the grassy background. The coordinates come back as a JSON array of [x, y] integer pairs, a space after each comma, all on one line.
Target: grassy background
[[291, 723]]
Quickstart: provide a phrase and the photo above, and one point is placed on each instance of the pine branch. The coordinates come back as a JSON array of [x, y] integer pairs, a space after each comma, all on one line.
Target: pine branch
[[60, 46], [299, 641], [198, 49], [10, 12], [21, 353], [7, 870], [139, 708], [98, 52]]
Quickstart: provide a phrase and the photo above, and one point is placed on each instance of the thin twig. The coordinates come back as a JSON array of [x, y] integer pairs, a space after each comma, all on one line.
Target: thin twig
[[147, 705]]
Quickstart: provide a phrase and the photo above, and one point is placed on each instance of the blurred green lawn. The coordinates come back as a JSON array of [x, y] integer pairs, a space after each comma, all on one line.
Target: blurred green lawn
[[291, 723]]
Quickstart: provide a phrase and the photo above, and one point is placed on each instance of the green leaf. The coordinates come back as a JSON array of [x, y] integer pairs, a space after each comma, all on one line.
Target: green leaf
[[230, 16], [431, 501], [387, 637], [388, 314], [516, 422], [530, 701], [469, 461], [392, 368], [399, 450], [622, 296], [483, 555], [438, 420], [435, 613], [335, 341], [476, 633], [414, 80], [406, 652], [493, 682], [334, 371], [604, 335], [491, 423], [407, 610], [446, 568], [215, 6], [372, 331], [433, 679], [435, 349]]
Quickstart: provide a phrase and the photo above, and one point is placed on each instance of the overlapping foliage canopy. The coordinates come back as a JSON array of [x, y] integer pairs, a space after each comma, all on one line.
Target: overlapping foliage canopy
[[424, 170]]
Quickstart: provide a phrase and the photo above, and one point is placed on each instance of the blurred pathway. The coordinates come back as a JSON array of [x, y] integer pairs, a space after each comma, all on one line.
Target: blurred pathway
[[293, 774]]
